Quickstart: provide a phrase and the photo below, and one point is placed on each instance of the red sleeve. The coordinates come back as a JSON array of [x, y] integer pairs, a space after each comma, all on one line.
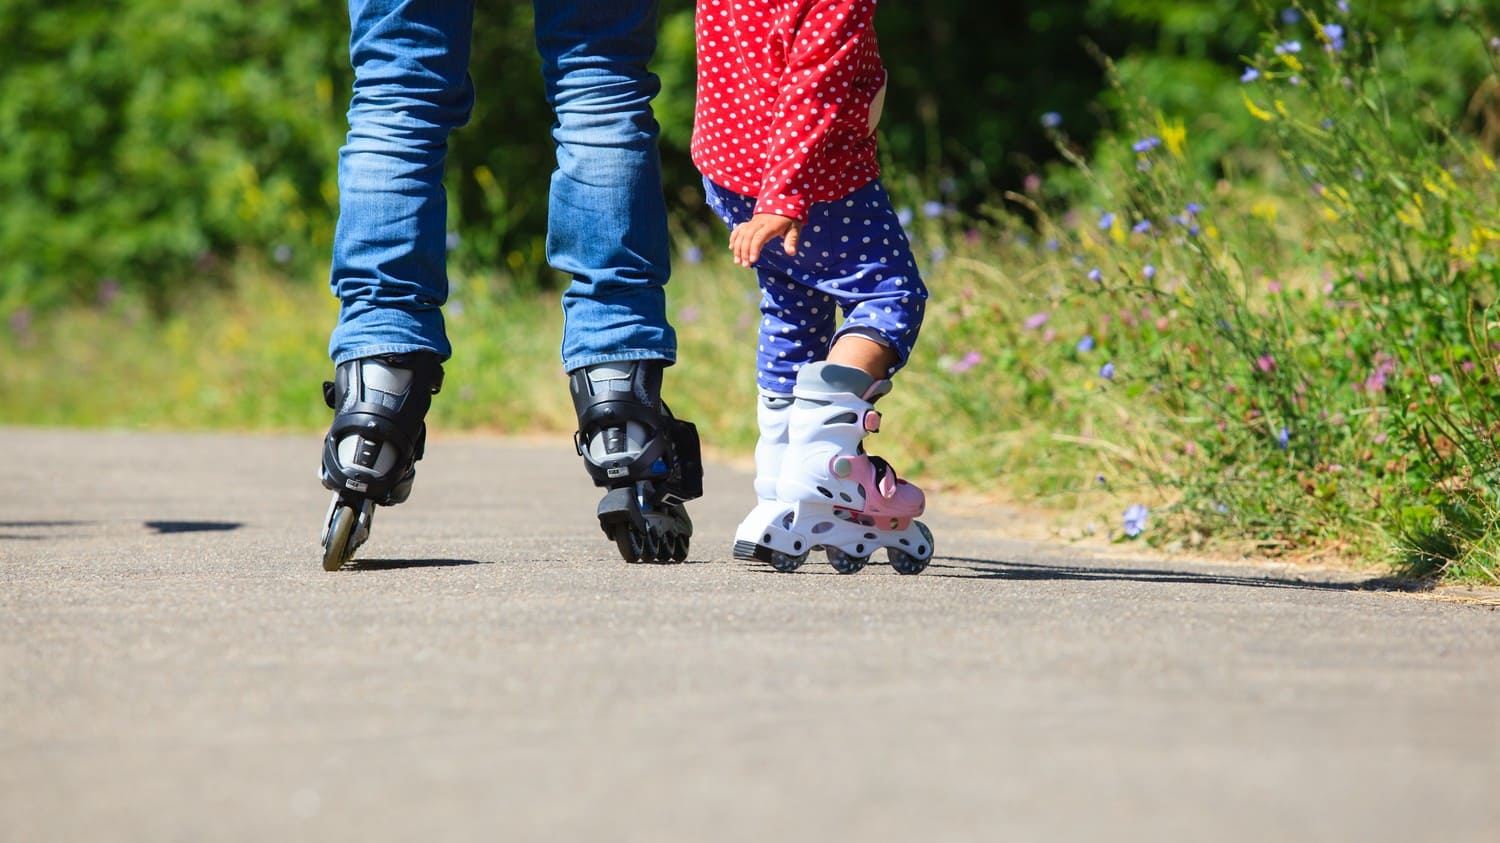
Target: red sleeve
[[833, 73]]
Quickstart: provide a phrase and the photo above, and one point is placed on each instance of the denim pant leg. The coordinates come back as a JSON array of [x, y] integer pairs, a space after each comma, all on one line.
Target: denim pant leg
[[411, 89], [607, 217]]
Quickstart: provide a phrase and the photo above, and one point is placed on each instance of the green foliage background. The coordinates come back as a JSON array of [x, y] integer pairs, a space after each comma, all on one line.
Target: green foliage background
[[146, 145]]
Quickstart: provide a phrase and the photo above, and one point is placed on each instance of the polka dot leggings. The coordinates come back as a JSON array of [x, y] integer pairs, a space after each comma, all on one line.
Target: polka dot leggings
[[853, 258]]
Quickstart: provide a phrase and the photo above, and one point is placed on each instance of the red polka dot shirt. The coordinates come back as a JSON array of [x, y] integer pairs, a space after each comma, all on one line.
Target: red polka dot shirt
[[788, 95]]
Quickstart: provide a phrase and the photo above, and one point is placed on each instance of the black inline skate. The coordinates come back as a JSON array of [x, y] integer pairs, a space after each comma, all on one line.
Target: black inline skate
[[647, 460], [377, 436]]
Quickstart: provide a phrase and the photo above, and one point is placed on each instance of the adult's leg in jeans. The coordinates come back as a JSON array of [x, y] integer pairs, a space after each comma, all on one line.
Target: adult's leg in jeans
[[411, 89], [607, 218]]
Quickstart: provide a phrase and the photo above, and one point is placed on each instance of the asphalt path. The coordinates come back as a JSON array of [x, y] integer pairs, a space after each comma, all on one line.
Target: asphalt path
[[176, 665]]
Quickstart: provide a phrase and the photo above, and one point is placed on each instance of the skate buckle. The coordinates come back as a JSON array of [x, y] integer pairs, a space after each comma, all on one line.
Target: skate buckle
[[872, 421]]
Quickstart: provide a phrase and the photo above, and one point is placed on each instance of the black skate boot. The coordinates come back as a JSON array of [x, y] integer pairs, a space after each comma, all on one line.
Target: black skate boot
[[377, 436], [648, 461]]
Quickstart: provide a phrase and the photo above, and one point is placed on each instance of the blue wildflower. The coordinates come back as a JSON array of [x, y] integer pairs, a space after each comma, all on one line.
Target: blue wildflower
[[1149, 271], [693, 255], [1194, 208], [1051, 120], [1095, 275], [1283, 438], [1335, 35], [1288, 47], [1086, 344], [1135, 519], [904, 216], [932, 208], [1141, 227], [1290, 16], [1107, 371], [1145, 145], [1250, 75], [1106, 220]]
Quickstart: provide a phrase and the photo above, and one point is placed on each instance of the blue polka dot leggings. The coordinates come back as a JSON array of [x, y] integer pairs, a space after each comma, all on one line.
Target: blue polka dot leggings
[[853, 258]]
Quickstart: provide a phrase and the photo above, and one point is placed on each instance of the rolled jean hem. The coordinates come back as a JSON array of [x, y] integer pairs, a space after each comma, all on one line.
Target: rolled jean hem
[[575, 363], [381, 351]]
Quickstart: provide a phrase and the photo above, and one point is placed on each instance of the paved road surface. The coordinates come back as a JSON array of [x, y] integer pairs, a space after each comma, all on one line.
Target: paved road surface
[[175, 665]]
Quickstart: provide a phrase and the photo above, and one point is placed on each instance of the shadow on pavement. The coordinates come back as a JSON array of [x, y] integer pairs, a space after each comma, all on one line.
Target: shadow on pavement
[[164, 527], [965, 568], [33, 525], [399, 564]]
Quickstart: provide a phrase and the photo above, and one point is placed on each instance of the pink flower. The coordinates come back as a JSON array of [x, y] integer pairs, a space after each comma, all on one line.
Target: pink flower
[[969, 361], [1036, 320], [1265, 363]]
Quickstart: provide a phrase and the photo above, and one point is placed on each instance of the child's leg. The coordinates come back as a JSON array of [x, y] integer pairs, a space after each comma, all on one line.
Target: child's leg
[[831, 494]]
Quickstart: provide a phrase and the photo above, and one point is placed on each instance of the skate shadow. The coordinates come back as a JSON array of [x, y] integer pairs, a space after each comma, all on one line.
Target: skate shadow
[[165, 527], [404, 564], [959, 567], [27, 526]]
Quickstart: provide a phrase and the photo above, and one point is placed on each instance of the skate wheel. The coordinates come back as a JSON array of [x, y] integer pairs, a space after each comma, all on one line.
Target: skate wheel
[[906, 563], [845, 563], [632, 545], [661, 546], [679, 548], [338, 544], [786, 562]]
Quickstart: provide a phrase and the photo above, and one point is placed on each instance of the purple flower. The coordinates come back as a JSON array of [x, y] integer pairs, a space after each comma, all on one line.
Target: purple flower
[[1194, 208], [932, 209], [1288, 47], [1107, 371], [1265, 362], [1343, 6], [1283, 438], [1036, 320], [904, 216], [1086, 344], [1095, 275], [1051, 120], [1250, 75], [1148, 271], [1106, 220], [1141, 227], [693, 255], [1290, 16], [1135, 519], [969, 361], [1145, 145]]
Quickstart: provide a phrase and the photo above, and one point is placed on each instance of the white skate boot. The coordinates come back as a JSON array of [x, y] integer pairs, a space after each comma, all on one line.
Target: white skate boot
[[829, 493]]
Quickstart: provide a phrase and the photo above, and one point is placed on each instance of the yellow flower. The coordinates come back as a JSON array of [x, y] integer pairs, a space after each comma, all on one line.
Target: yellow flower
[[1263, 209], [1173, 135], [1255, 111]]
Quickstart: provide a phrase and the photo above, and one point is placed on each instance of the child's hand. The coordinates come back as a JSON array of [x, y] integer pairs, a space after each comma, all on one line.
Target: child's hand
[[749, 237]]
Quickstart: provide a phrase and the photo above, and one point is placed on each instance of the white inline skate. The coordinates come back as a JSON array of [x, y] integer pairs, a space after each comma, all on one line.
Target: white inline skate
[[378, 434], [828, 493]]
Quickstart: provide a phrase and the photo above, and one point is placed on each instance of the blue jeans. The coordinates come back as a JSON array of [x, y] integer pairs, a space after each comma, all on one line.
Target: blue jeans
[[607, 219]]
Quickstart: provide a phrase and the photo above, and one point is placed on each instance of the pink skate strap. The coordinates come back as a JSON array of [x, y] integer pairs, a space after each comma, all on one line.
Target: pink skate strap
[[886, 495], [872, 421]]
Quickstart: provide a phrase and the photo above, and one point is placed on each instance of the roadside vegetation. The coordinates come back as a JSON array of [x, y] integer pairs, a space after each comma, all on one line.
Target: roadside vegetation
[[1267, 326]]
